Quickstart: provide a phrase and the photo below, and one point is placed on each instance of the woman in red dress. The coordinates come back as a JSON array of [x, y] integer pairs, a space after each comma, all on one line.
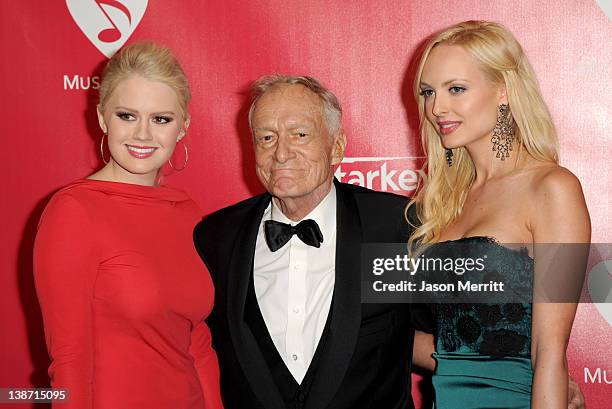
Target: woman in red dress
[[122, 290]]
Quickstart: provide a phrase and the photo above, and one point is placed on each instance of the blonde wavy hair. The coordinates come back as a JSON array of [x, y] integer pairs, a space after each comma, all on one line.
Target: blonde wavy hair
[[440, 199], [151, 61]]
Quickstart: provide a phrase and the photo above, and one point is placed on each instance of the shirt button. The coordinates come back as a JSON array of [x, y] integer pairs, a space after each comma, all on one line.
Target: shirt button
[[296, 267], [301, 397], [294, 357], [296, 310]]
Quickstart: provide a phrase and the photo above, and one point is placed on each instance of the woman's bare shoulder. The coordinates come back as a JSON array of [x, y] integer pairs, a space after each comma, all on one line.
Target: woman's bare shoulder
[[553, 182], [558, 208]]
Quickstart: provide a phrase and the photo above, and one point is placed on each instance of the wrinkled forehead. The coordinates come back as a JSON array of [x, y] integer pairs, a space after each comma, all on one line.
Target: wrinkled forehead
[[289, 98]]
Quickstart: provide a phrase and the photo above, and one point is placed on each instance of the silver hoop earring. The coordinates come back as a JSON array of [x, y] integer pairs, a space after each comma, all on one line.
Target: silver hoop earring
[[102, 150], [186, 158], [503, 133]]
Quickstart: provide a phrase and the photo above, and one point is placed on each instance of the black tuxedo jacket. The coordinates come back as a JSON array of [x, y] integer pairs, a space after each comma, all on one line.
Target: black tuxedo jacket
[[365, 360]]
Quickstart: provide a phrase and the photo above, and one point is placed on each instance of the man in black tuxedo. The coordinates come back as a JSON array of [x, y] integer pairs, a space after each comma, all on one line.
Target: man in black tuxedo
[[288, 324]]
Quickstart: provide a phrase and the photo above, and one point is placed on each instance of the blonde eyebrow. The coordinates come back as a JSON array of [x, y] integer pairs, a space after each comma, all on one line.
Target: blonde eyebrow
[[453, 80], [445, 83], [125, 108], [136, 111]]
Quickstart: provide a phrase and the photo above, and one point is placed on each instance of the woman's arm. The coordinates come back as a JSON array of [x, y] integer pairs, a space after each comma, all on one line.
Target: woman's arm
[[560, 216], [206, 365], [64, 270]]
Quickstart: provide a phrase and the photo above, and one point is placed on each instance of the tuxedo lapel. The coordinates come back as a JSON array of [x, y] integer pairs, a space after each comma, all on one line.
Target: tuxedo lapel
[[346, 306], [245, 344]]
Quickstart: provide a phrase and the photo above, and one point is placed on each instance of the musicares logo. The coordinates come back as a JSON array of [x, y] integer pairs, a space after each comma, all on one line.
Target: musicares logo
[[598, 376], [390, 174], [107, 23]]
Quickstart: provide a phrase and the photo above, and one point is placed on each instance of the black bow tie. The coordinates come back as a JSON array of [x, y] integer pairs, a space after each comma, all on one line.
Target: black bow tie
[[278, 234]]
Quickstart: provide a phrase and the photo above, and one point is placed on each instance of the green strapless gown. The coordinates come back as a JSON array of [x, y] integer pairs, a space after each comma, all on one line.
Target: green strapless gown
[[483, 350]]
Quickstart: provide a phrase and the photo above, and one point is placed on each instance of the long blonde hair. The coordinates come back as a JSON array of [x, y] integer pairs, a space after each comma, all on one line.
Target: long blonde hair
[[440, 199]]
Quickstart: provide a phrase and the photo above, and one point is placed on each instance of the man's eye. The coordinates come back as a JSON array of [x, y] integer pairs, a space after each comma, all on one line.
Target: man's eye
[[302, 134], [265, 138], [162, 119], [126, 116], [426, 93], [456, 89]]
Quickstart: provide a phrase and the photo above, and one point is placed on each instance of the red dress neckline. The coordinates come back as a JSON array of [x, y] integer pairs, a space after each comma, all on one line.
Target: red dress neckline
[[129, 190]]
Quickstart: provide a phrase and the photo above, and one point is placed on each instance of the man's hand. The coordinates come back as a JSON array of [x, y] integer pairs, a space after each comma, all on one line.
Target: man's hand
[[422, 350], [575, 398]]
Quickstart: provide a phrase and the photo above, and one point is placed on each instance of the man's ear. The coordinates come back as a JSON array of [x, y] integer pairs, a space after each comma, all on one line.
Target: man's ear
[[101, 120], [338, 148]]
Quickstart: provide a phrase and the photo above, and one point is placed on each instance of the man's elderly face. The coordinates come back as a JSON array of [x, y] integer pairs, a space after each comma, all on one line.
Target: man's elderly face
[[294, 151]]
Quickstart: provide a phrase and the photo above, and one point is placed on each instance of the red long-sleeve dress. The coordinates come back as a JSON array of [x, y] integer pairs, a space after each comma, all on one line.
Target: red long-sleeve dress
[[123, 296]]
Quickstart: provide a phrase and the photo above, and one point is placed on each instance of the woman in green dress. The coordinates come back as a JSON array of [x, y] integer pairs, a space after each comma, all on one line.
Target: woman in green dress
[[494, 179]]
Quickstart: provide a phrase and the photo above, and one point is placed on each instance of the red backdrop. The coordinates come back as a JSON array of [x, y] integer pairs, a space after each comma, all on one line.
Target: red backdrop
[[362, 49]]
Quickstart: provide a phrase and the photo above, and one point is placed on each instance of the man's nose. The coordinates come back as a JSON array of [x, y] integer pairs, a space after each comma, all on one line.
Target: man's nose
[[284, 150]]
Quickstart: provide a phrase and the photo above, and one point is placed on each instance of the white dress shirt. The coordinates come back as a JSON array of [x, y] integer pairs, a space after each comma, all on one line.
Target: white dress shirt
[[294, 286]]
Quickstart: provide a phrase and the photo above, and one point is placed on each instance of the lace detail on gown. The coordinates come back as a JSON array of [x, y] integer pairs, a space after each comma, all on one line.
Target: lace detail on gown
[[495, 330]]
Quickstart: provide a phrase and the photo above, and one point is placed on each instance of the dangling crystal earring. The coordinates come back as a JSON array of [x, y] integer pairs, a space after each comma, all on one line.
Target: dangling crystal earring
[[449, 157], [503, 133]]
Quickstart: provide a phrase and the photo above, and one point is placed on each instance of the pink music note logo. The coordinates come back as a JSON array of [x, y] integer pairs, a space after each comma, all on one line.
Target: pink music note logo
[[108, 24], [110, 35]]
